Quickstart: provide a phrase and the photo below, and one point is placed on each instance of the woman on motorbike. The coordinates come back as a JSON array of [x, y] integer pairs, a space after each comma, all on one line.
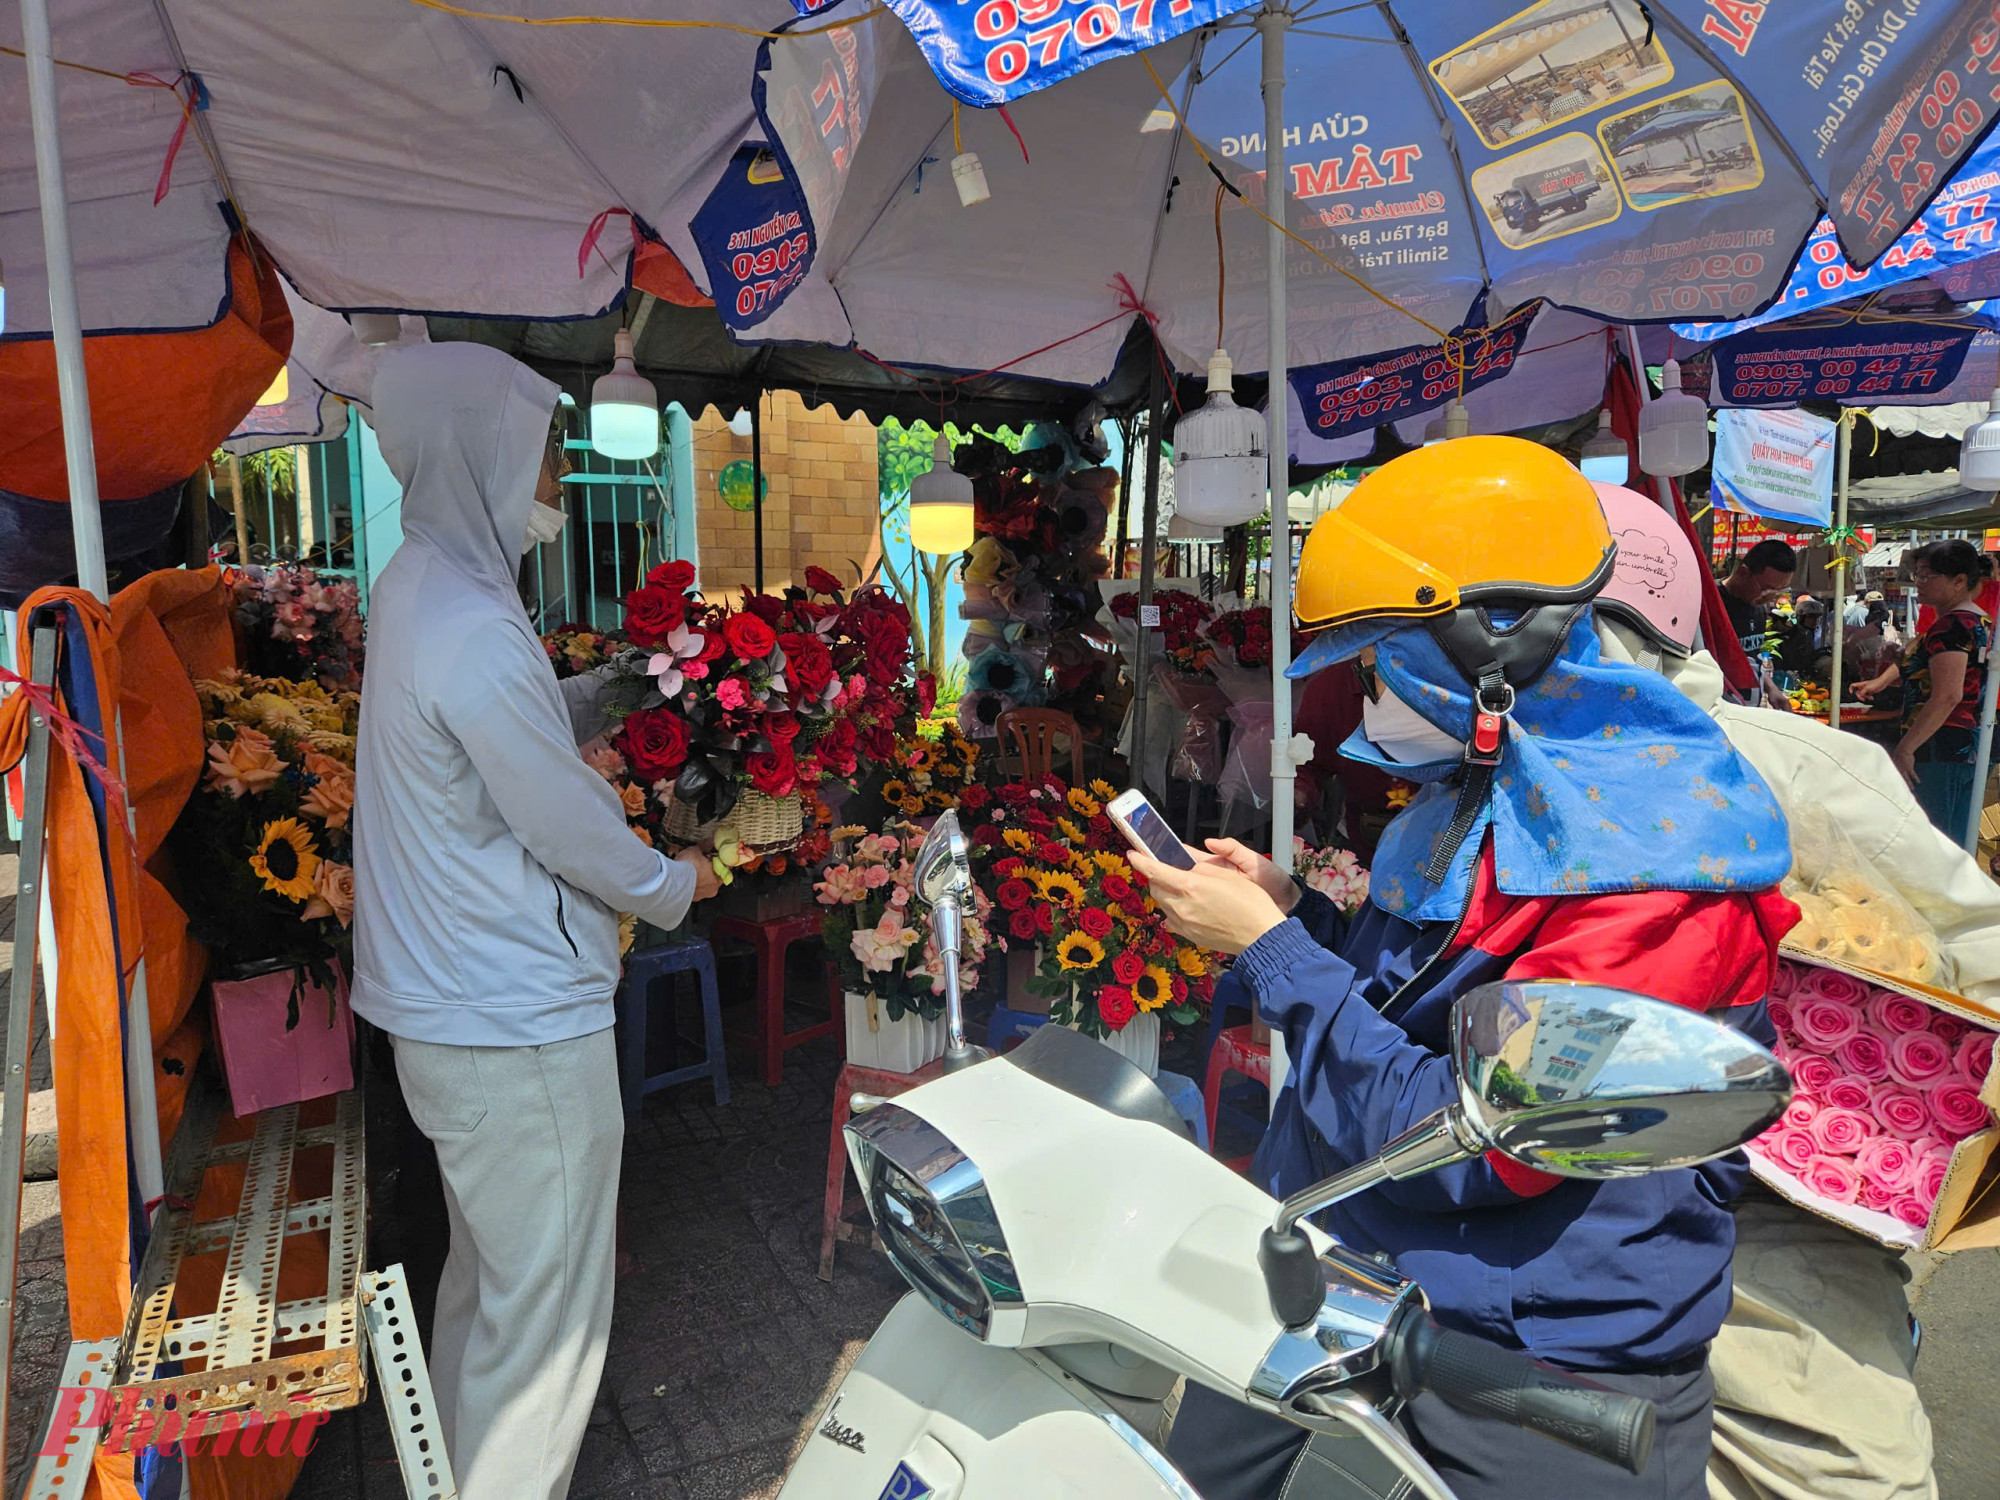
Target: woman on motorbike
[[1579, 820]]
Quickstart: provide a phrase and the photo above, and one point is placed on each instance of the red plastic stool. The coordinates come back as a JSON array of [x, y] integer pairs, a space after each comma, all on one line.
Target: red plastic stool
[[855, 1079], [770, 939], [1233, 1052]]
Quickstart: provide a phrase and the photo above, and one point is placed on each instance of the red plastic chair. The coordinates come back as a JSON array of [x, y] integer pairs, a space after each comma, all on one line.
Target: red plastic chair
[[1233, 1052]]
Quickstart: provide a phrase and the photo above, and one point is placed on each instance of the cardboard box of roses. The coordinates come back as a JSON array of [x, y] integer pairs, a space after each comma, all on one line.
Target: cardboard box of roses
[[1892, 1132]]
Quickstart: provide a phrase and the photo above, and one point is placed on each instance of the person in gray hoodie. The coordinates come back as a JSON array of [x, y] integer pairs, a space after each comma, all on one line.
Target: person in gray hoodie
[[490, 865]]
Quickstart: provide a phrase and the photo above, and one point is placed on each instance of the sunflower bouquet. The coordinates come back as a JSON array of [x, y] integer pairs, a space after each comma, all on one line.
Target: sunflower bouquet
[[265, 845], [934, 773], [1061, 880], [877, 934]]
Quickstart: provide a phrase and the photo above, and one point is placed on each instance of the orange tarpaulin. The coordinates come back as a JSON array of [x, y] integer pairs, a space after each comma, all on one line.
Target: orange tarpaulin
[[145, 652]]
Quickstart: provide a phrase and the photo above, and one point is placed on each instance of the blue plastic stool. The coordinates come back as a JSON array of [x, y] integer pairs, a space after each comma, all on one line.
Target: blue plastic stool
[[1185, 1095], [1010, 1026], [643, 970]]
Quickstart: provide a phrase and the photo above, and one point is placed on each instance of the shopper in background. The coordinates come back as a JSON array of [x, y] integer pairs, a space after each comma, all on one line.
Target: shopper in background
[[1760, 575], [492, 862], [1940, 676], [1808, 643]]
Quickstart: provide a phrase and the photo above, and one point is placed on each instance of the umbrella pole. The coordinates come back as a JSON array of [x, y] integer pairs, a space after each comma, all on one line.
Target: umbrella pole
[[1271, 26], [757, 490], [1982, 756], [1838, 624], [1149, 525], [86, 520]]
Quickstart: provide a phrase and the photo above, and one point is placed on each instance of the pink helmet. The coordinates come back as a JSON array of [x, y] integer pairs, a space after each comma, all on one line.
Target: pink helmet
[[1656, 585]]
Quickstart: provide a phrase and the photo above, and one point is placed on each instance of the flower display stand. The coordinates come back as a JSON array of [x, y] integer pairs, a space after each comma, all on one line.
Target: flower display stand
[[268, 1065], [875, 1041]]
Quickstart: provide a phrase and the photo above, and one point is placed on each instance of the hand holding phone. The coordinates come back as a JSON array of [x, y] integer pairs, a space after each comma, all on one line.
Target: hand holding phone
[[1143, 826]]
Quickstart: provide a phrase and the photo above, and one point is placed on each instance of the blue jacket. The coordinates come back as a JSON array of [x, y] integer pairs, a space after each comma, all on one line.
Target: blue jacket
[[1619, 1276]]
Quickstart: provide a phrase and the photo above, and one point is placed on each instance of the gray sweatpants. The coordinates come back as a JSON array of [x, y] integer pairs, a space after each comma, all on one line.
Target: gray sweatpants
[[528, 1141]]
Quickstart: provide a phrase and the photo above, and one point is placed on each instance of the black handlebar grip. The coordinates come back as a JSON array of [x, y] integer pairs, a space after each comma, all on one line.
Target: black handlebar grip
[[1485, 1380]]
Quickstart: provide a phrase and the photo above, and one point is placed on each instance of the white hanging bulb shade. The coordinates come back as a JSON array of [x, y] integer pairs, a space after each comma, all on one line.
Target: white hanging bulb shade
[[1979, 451], [1181, 529], [376, 330], [740, 424], [1221, 477], [1673, 430], [624, 407], [1453, 422], [969, 177], [1606, 458], [941, 505]]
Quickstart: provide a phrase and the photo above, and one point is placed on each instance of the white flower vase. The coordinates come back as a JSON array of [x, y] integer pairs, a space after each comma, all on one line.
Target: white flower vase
[[875, 1041], [1138, 1043]]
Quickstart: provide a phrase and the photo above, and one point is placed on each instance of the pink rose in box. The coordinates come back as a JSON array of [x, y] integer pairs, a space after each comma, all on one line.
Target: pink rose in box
[[1790, 1149], [1917, 1059], [1799, 1114], [1886, 1163], [1833, 1177], [1956, 1109], [1948, 1029], [1928, 1176], [1974, 1058], [1824, 1023], [1785, 982], [1827, 984], [1846, 1092], [1864, 1055], [1875, 1196], [1901, 1112], [1913, 1211], [1781, 1016], [1894, 1014], [1840, 1132], [1813, 1074]]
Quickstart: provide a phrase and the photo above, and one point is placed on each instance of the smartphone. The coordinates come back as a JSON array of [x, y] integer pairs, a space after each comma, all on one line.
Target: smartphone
[[1141, 823]]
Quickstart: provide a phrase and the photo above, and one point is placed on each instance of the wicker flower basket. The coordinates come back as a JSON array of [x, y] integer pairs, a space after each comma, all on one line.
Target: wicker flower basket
[[769, 825]]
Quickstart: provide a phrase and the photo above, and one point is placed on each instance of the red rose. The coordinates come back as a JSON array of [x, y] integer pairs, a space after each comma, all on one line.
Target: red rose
[[878, 742], [1022, 925], [676, 575], [1104, 833], [749, 637], [781, 728], [821, 582], [767, 607], [1052, 853], [1116, 1005], [836, 747], [1096, 922], [1038, 821], [926, 693], [1180, 990], [986, 836], [808, 664], [774, 773], [1045, 918], [651, 615], [654, 743], [974, 797], [1009, 867], [1128, 966], [1117, 887], [1015, 894]]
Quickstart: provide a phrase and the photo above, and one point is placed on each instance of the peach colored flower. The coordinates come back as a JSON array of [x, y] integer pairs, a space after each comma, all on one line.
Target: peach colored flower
[[634, 797], [332, 798], [606, 762], [333, 893], [244, 765], [643, 836]]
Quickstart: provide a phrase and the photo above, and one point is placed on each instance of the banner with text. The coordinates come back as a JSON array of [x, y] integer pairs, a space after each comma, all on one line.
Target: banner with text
[[1353, 394], [1775, 464], [754, 238], [1881, 363]]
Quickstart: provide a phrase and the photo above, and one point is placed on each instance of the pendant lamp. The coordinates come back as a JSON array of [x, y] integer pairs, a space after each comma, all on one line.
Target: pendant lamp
[[941, 505], [740, 424], [1673, 430], [1221, 477], [1453, 422], [1606, 458], [624, 407], [376, 330], [1979, 451], [1181, 529]]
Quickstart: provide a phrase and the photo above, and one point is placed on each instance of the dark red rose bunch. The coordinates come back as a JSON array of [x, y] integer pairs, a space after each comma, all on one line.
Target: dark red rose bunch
[[819, 581], [654, 742], [749, 637], [652, 613], [676, 575]]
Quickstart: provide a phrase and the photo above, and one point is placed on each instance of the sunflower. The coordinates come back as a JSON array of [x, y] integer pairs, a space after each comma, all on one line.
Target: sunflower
[[893, 792], [1058, 885], [1154, 988], [1193, 962], [1084, 803], [911, 805], [1019, 840], [1079, 951], [1103, 791], [847, 831], [1070, 831], [1111, 864], [286, 859]]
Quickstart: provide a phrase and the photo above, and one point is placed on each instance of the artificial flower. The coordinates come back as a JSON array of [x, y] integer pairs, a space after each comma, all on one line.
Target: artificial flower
[[1128, 966], [1079, 951], [331, 799], [286, 859], [1154, 988], [677, 575], [749, 637], [333, 893], [655, 743], [1084, 803], [246, 764], [652, 614]]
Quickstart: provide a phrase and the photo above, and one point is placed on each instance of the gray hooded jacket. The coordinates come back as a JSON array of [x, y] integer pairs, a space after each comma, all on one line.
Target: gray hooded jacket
[[490, 860]]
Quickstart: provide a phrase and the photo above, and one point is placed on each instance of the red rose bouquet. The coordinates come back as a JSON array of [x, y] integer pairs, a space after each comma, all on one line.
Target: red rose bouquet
[[1183, 618], [1245, 634]]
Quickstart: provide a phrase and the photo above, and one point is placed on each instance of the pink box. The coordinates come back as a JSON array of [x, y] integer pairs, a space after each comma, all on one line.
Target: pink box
[[266, 1065]]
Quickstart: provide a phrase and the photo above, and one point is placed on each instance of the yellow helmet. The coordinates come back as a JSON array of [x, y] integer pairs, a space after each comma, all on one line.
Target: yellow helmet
[[1471, 519]]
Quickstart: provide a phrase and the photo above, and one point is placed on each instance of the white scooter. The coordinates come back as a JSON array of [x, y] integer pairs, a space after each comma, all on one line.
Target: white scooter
[[1073, 1253]]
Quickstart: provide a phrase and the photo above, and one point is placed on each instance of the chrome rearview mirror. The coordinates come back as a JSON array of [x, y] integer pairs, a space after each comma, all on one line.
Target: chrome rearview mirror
[[942, 877], [1580, 1080]]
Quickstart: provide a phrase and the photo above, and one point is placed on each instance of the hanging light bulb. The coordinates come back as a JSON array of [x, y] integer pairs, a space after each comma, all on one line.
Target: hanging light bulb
[[376, 330], [740, 424], [1453, 422], [1221, 477], [941, 505], [624, 407], [1979, 451], [1606, 458], [969, 177], [1673, 430], [281, 389], [1181, 529]]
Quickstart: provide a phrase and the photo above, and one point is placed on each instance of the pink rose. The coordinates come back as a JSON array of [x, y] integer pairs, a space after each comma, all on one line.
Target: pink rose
[[1848, 1091], [1928, 1179], [1912, 1211], [1918, 1059], [1813, 1074], [1784, 983], [1790, 1149], [1799, 1114], [1840, 1132], [1956, 1109], [1886, 1163], [1780, 1012], [1974, 1059], [1947, 1029], [1864, 1055], [1875, 1196], [1833, 1177], [1825, 984], [1895, 1014], [1901, 1112], [1823, 1022]]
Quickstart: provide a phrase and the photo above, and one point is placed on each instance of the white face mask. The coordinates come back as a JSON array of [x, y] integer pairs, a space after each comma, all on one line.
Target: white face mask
[[1403, 734], [545, 524]]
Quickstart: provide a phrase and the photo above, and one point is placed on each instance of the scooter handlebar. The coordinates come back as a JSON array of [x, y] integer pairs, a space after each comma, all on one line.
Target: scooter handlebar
[[1484, 1380]]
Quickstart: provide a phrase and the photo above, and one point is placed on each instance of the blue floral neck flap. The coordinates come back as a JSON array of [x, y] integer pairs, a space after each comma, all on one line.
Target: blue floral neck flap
[[1610, 780]]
